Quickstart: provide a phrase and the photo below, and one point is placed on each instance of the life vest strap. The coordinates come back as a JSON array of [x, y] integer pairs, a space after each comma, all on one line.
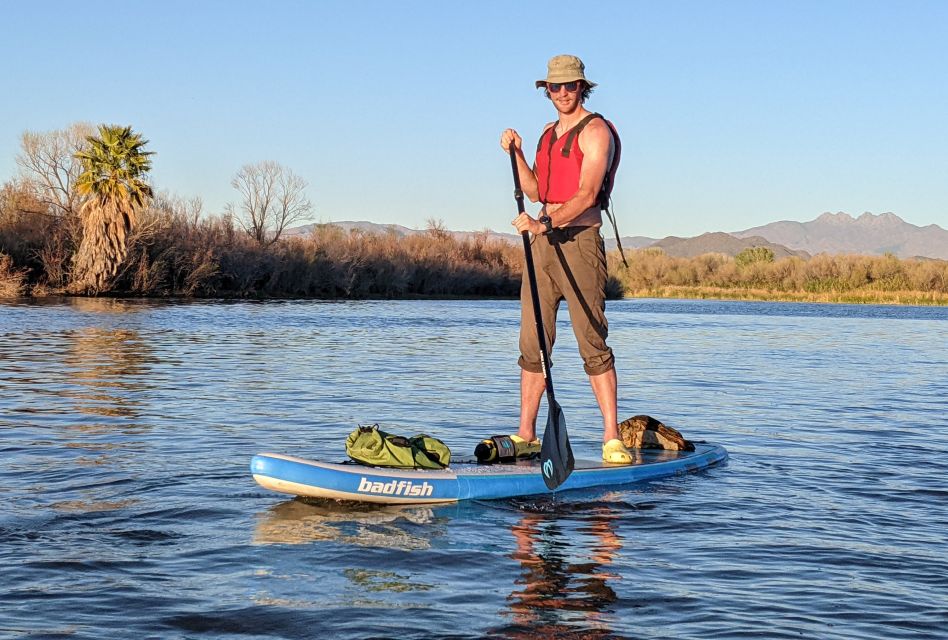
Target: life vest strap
[[575, 131]]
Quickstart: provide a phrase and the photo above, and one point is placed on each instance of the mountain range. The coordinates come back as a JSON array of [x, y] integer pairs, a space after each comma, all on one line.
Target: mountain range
[[868, 234], [833, 233], [720, 242]]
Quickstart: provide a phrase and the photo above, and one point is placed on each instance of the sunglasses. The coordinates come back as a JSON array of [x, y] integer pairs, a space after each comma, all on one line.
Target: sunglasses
[[554, 87]]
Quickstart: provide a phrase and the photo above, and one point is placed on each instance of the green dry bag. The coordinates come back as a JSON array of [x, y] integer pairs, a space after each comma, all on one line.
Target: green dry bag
[[372, 446]]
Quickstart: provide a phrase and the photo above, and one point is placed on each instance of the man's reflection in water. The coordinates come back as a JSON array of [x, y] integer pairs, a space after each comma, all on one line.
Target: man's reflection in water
[[565, 552], [564, 583]]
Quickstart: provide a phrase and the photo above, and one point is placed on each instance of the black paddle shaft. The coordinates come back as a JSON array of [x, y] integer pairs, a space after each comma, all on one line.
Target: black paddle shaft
[[556, 456], [532, 277]]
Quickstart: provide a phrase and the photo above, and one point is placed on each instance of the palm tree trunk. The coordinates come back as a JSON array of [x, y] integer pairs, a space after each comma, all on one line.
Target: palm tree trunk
[[106, 227]]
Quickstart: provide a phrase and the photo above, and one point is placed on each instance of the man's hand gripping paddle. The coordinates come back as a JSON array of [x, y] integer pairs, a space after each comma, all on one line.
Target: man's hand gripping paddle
[[556, 456]]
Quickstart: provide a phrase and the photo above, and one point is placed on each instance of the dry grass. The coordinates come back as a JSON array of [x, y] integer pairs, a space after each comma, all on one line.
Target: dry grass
[[824, 278], [180, 254], [176, 252], [12, 280]]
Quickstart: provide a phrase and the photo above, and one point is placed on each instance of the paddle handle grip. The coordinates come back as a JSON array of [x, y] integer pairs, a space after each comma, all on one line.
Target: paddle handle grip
[[518, 192]]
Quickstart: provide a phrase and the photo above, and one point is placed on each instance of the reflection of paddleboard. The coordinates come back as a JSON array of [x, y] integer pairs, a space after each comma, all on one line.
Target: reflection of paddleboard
[[464, 479], [368, 525]]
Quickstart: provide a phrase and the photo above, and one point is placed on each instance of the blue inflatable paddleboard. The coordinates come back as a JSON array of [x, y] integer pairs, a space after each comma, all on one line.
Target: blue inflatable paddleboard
[[464, 479]]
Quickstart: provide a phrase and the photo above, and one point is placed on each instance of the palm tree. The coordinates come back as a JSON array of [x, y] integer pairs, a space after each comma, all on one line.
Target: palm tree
[[113, 183]]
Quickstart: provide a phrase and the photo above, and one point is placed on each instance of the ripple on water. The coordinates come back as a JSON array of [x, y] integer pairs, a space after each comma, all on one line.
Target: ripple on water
[[127, 502]]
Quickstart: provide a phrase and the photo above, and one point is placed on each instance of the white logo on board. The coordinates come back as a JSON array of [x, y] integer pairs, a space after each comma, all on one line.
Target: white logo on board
[[396, 488]]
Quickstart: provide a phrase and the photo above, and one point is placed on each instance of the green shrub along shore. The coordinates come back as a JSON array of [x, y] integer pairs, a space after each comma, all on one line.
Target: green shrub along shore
[[177, 252]]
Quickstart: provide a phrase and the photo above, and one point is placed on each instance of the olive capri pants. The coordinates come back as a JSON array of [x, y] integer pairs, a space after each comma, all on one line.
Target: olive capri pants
[[570, 265]]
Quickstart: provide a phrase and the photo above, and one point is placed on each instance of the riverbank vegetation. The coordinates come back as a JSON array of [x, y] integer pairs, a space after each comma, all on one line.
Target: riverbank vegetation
[[81, 219], [175, 250], [755, 275], [178, 251]]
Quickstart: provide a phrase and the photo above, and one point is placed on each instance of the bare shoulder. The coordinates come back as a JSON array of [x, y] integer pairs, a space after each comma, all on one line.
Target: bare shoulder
[[595, 136], [597, 128]]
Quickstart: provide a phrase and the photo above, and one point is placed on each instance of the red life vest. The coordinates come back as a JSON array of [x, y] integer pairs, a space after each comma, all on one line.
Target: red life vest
[[559, 162]]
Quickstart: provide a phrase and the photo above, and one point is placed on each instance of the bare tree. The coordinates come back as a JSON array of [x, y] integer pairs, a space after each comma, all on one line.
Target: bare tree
[[48, 162], [271, 198], [187, 210], [436, 229], [18, 197]]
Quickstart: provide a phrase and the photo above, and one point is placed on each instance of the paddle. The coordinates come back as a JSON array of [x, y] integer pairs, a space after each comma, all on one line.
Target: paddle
[[556, 456]]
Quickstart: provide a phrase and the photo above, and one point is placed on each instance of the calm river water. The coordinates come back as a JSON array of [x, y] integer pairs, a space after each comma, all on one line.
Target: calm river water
[[127, 509]]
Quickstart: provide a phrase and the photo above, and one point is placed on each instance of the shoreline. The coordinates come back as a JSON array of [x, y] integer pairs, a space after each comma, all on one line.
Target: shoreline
[[886, 298], [894, 298]]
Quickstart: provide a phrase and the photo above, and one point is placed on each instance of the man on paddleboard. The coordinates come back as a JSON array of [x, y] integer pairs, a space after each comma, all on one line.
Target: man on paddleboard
[[571, 175]]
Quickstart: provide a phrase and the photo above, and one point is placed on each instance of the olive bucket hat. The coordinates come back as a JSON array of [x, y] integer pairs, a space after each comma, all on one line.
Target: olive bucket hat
[[565, 68]]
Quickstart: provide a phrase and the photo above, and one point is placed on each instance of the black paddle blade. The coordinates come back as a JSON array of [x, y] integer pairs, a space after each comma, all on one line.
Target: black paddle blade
[[556, 456]]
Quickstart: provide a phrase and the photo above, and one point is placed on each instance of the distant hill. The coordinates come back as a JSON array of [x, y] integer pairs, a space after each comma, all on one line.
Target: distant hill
[[833, 233], [868, 234], [398, 230], [720, 242], [349, 225], [628, 242]]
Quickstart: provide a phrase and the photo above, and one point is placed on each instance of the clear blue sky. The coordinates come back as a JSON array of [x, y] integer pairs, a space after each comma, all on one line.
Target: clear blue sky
[[733, 113]]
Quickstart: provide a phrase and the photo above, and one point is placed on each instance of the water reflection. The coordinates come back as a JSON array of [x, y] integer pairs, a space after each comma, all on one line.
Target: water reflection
[[108, 366], [107, 305], [86, 305], [89, 380], [93, 506], [564, 586], [378, 526], [565, 553], [375, 580]]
